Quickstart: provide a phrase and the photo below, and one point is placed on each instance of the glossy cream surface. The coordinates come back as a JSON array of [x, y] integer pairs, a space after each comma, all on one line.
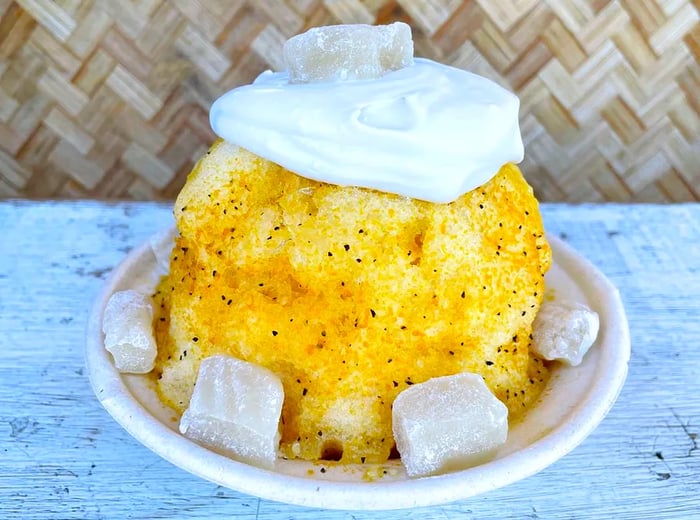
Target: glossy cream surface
[[427, 131]]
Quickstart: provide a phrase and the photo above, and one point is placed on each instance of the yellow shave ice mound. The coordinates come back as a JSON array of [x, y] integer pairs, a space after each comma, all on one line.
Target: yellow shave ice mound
[[349, 295]]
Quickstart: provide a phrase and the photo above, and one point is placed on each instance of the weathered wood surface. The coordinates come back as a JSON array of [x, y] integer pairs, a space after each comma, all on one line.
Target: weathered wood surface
[[62, 456]]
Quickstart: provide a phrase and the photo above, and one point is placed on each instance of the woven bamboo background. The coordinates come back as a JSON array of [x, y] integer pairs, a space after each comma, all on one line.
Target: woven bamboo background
[[110, 98]]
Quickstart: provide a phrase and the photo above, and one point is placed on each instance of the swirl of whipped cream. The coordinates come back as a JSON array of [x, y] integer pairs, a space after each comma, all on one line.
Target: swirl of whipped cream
[[427, 131]]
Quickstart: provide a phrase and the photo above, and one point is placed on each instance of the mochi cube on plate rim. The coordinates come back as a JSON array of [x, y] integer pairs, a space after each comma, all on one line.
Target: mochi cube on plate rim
[[448, 423], [235, 410], [564, 331], [127, 325]]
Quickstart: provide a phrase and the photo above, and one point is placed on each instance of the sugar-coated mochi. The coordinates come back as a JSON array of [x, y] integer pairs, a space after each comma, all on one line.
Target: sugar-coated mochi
[[348, 52], [235, 409], [564, 331], [162, 245], [127, 324], [448, 423]]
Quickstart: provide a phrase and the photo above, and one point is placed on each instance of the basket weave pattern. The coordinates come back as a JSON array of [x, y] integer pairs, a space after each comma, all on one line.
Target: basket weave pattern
[[110, 98]]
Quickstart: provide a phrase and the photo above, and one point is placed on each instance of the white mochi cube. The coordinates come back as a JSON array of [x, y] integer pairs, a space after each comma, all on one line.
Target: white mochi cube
[[162, 245], [564, 331], [235, 409], [127, 324], [448, 423], [348, 52]]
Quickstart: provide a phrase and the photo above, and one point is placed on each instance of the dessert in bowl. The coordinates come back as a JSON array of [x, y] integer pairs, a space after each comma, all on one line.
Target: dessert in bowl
[[358, 239]]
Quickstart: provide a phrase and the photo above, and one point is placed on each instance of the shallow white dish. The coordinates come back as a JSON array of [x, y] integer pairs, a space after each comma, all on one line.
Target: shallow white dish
[[573, 404]]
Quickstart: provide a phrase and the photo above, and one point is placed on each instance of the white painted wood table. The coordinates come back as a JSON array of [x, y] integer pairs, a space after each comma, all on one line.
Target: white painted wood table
[[62, 456]]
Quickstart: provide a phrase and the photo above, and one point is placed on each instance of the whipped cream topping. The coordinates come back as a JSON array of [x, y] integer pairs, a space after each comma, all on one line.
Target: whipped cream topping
[[427, 131]]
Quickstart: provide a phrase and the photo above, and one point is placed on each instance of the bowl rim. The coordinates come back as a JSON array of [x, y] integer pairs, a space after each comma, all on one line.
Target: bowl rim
[[609, 377]]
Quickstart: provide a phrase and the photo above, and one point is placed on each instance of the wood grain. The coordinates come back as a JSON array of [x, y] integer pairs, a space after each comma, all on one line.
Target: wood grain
[[64, 457], [101, 93]]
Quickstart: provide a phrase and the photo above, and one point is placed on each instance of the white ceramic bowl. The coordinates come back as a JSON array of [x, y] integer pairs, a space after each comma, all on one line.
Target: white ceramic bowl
[[575, 400]]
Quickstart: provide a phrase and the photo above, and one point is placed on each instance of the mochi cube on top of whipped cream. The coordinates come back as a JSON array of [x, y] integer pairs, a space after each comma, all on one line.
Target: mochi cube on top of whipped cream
[[354, 108], [343, 53]]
